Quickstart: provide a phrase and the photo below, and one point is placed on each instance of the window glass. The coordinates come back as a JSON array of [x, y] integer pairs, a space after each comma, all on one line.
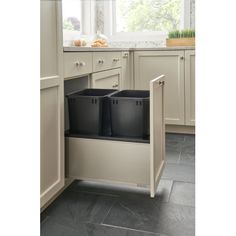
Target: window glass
[[147, 15], [72, 15]]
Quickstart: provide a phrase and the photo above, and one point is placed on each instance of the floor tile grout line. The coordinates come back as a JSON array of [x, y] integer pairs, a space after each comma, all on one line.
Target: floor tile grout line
[[131, 229], [182, 181], [174, 181], [44, 220], [180, 164], [180, 153], [172, 186], [108, 212]]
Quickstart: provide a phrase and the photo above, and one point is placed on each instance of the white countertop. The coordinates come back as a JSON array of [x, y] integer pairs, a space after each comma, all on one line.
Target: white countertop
[[91, 49]]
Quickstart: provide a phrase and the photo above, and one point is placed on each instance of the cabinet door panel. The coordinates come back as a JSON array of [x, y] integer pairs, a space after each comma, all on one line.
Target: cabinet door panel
[[149, 65], [109, 79], [190, 87], [51, 101], [51, 178]]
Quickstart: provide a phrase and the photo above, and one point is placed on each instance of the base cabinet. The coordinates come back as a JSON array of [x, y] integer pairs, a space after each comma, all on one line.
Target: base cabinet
[[51, 102], [150, 64], [190, 87]]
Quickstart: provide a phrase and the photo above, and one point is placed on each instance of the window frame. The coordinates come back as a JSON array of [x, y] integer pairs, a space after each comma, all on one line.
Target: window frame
[[110, 24]]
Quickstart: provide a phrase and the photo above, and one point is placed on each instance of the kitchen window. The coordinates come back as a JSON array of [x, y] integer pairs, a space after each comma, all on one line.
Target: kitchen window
[[146, 18], [124, 19]]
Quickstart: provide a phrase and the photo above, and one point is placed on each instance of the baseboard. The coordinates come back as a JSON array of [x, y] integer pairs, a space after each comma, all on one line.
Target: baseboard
[[181, 129]]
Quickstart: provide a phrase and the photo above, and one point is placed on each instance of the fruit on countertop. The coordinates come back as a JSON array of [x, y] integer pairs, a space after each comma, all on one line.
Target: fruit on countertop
[[80, 42]]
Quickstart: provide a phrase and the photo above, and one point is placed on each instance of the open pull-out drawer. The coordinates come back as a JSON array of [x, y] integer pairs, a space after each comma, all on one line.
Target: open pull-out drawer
[[126, 162]]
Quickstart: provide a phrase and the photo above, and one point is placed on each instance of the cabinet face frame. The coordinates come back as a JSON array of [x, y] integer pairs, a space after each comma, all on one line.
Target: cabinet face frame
[[126, 70], [190, 87], [52, 85], [178, 119]]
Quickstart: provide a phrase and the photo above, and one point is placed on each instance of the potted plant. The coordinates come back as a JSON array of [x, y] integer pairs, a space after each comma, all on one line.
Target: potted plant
[[181, 38]]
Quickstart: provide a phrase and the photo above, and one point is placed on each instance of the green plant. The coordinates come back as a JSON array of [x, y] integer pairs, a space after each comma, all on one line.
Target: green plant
[[186, 33], [67, 25]]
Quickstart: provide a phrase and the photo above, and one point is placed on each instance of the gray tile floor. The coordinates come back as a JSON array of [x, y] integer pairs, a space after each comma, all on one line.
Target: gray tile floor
[[92, 209]]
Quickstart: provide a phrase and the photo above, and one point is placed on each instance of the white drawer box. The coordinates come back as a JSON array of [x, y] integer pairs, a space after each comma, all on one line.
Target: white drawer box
[[106, 60], [76, 64]]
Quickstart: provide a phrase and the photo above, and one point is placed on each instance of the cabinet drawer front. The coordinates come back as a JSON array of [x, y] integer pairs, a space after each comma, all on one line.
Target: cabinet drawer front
[[109, 79], [76, 64], [106, 60]]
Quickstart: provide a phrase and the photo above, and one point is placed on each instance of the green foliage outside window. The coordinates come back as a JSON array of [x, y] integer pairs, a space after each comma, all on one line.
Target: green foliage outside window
[[149, 15], [67, 25]]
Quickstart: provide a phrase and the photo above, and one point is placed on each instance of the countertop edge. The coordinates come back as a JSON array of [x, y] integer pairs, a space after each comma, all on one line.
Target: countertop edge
[[90, 49]]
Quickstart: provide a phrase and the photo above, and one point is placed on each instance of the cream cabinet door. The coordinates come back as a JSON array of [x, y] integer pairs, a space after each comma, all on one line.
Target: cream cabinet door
[[51, 101], [190, 87], [151, 64], [109, 79]]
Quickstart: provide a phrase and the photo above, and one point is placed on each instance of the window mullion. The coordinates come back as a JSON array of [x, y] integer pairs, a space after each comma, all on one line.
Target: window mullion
[[186, 14]]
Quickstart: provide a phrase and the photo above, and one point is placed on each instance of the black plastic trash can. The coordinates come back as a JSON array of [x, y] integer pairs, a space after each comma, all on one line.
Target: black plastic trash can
[[130, 113], [89, 112]]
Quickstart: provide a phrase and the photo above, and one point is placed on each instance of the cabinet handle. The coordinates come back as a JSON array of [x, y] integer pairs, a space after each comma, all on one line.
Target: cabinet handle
[[115, 86], [126, 54], [182, 58], [80, 63], [116, 59], [100, 61]]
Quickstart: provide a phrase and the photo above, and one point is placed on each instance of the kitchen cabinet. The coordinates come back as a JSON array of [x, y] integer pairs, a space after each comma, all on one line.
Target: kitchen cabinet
[[109, 79], [150, 64], [51, 101], [103, 69], [133, 69], [190, 87]]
